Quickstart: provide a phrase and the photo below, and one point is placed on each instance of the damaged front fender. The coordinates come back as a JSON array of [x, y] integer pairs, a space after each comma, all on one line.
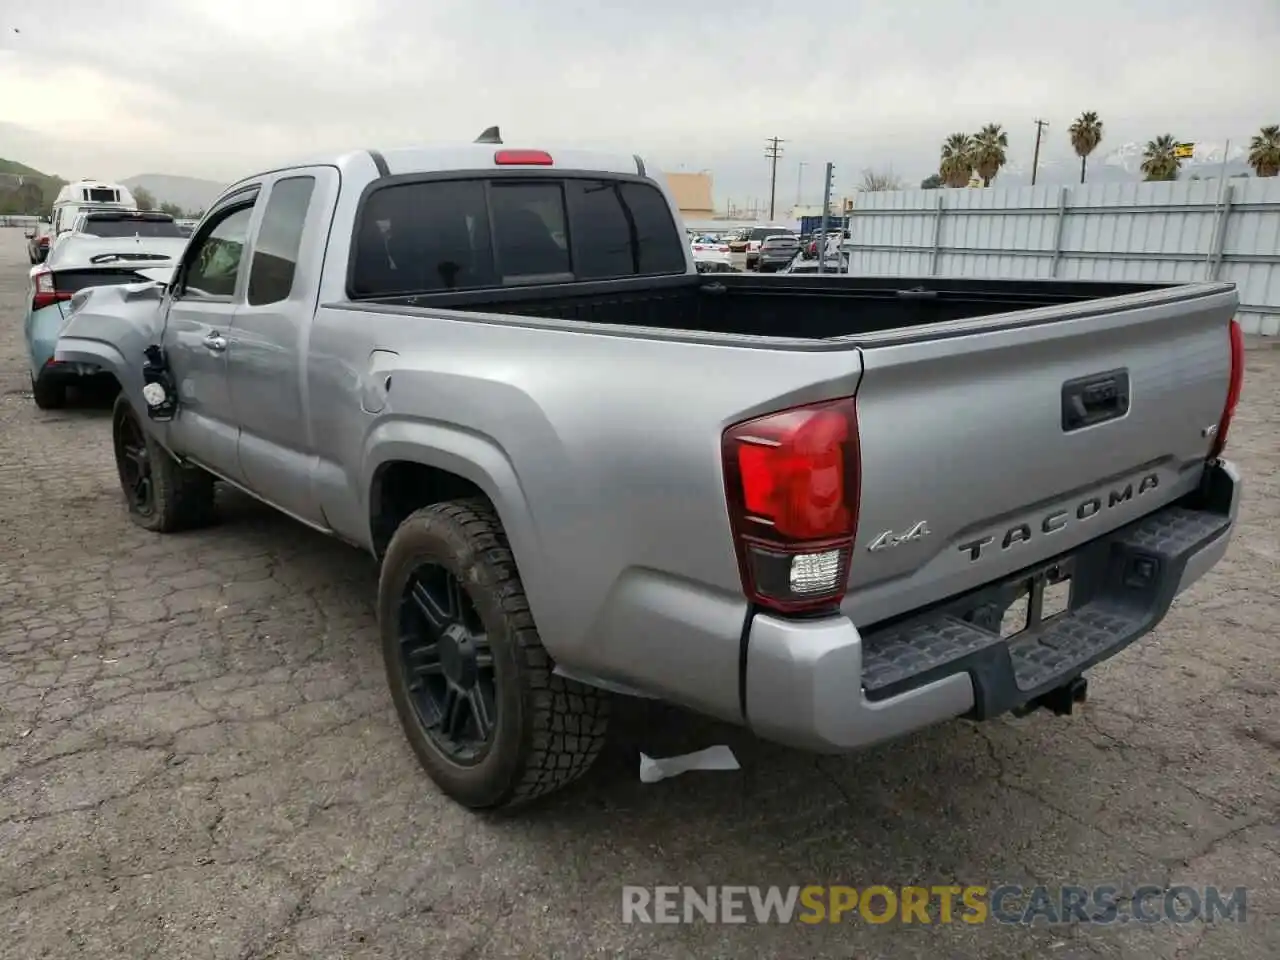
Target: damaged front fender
[[111, 328]]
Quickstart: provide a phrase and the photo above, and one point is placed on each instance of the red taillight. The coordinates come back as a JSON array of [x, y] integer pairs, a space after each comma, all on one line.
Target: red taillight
[[1233, 390], [45, 295], [791, 479], [522, 158]]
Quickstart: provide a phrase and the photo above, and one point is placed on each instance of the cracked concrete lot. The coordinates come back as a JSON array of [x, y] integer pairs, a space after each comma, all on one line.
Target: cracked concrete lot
[[199, 758]]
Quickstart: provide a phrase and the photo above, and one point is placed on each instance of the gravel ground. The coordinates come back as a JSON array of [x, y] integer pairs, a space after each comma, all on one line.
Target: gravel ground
[[198, 758]]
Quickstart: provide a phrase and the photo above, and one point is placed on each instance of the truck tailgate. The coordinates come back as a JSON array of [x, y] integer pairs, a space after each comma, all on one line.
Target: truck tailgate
[[989, 446]]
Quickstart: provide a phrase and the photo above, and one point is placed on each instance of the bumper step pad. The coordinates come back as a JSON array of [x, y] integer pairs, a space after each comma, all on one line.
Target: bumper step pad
[[1121, 587]]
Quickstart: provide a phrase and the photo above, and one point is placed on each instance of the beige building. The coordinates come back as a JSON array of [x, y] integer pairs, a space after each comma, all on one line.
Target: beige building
[[692, 192]]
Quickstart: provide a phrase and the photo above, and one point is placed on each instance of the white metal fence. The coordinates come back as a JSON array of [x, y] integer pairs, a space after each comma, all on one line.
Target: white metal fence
[[1181, 231]]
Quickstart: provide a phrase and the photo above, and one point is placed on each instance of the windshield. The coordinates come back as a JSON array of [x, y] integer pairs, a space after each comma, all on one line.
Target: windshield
[[130, 227], [763, 233]]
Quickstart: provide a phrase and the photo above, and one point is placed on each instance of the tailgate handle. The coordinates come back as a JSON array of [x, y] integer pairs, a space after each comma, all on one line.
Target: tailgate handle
[[1094, 399]]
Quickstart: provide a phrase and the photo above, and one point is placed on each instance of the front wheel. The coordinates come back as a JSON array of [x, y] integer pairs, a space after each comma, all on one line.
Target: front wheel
[[476, 693], [162, 495]]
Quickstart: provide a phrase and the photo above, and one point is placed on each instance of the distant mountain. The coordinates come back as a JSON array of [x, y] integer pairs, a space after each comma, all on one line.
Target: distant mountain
[[1123, 164], [25, 189], [20, 169], [1205, 162], [190, 193]]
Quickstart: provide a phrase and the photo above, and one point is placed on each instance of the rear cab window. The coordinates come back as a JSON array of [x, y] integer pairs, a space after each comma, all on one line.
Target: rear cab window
[[431, 236]]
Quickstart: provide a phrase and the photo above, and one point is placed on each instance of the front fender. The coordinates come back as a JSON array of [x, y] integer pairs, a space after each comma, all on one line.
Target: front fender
[[110, 327]]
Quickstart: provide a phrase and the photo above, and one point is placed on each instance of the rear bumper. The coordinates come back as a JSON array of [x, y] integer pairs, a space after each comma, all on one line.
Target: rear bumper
[[826, 686]]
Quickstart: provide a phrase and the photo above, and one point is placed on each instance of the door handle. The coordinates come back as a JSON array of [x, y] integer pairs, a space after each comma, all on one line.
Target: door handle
[[216, 342]]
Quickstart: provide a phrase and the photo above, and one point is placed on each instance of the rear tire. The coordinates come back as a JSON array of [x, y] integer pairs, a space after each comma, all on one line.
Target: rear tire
[[49, 394], [489, 720], [161, 494]]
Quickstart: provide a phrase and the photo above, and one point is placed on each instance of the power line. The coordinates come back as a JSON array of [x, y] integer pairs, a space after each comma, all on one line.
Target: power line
[[772, 152], [1035, 161]]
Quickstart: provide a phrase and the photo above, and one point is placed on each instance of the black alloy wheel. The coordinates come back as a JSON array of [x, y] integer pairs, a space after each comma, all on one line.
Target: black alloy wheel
[[133, 460], [448, 664]]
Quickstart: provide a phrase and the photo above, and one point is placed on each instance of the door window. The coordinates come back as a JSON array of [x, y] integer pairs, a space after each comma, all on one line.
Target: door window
[[275, 252], [214, 265]]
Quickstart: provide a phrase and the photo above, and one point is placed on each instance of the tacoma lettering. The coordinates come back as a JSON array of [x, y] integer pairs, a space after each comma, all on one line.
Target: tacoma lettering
[[1060, 518]]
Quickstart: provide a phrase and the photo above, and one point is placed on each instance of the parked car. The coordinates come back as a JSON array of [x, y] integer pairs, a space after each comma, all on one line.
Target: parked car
[[395, 349], [38, 240], [833, 236], [835, 264], [756, 236], [710, 250], [776, 252], [75, 263]]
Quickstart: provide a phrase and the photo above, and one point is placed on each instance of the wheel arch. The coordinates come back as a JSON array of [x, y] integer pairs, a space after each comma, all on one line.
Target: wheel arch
[[412, 464]]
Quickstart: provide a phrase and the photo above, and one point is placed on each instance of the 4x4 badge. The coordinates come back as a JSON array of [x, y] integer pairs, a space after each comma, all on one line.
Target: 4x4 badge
[[890, 539]]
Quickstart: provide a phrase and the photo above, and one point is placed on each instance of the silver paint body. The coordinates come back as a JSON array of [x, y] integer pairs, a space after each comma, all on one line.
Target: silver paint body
[[600, 448]]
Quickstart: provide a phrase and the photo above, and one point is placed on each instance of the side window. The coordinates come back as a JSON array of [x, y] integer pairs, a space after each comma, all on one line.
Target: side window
[[275, 252], [622, 229], [531, 239], [214, 265], [423, 238]]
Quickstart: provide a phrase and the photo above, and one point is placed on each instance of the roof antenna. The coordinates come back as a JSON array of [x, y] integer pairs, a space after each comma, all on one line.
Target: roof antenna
[[490, 135]]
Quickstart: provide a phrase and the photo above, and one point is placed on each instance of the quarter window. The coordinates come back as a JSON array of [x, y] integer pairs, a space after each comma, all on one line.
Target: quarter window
[[275, 251]]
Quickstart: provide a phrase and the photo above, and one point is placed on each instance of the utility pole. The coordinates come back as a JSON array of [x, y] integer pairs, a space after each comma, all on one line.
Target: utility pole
[[826, 217], [800, 181], [1035, 161], [771, 153]]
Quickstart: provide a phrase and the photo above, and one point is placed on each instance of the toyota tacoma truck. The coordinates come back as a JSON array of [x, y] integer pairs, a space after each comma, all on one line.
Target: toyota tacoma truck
[[832, 509]]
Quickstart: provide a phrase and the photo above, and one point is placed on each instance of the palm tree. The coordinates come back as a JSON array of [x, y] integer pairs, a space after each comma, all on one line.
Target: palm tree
[[1086, 134], [1264, 152], [957, 160], [989, 145], [1160, 158]]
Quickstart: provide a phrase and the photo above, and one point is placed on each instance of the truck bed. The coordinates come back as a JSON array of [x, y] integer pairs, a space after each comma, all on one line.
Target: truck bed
[[808, 307]]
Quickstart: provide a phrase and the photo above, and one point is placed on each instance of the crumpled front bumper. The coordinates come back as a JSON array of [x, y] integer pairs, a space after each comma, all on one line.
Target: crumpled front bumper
[[824, 685]]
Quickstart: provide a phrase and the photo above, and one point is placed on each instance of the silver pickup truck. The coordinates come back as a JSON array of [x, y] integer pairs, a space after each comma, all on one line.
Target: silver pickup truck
[[833, 509]]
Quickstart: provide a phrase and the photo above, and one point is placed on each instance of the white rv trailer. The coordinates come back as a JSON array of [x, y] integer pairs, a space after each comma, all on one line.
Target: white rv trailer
[[84, 195]]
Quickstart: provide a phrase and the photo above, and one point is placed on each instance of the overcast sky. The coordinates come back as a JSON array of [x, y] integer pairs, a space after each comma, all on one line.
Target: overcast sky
[[221, 89]]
